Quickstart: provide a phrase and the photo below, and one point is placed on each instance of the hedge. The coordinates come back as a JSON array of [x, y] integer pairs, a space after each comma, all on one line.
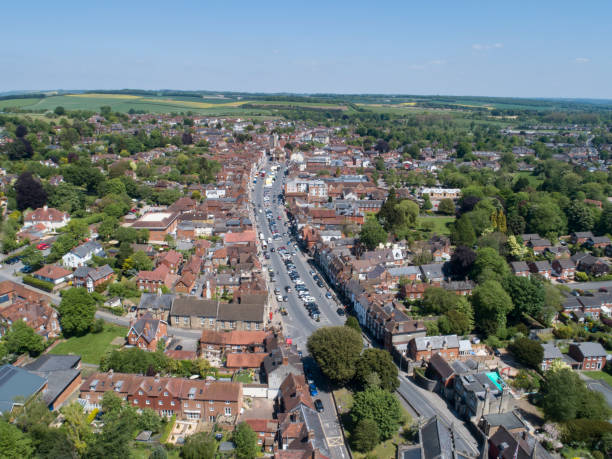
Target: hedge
[[41, 284]]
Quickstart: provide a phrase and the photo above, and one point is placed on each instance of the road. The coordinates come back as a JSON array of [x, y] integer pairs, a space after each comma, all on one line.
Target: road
[[427, 404], [297, 324], [589, 285]]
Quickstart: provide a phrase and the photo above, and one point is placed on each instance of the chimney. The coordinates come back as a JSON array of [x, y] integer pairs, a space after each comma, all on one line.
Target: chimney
[[156, 377], [110, 374], [45, 207]]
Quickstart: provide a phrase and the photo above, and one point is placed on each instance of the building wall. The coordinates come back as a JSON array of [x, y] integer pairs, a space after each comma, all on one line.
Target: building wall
[[72, 387]]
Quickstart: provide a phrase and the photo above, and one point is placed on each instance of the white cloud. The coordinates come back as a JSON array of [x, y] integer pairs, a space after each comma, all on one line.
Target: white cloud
[[582, 60], [485, 47]]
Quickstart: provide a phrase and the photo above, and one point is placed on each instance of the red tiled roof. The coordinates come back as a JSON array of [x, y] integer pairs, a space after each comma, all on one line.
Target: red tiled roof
[[244, 236], [245, 359], [52, 272]]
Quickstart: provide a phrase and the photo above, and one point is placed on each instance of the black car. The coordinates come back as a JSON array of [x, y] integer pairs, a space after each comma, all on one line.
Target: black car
[[340, 311], [318, 404], [27, 269]]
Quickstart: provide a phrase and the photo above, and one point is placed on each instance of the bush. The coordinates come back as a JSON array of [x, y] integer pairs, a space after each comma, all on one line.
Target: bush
[[98, 326], [586, 430], [581, 277], [366, 435], [37, 283]]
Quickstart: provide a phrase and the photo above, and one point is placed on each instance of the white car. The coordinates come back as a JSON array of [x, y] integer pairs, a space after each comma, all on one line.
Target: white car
[[279, 298]]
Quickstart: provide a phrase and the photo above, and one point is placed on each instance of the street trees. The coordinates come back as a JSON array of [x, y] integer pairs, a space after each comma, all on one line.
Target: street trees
[[77, 310], [379, 405], [336, 350], [377, 361]]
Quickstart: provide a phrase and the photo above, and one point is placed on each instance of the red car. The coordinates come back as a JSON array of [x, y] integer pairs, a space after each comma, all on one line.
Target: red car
[[42, 246]]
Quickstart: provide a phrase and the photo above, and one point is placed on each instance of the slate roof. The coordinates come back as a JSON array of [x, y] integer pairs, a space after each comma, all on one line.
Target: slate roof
[[509, 420], [50, 362], [146, 327], [436, 342], [551, 351], [191, 306], [440, 441], [155, 302], [589, 349], [85, 249], [16, 383]]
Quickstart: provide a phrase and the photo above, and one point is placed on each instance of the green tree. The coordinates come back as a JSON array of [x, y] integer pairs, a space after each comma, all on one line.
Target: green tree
[[138, 261], [107, 228], [245, 440], [13, 442], [336, 350], [29, 192], [463, 149], [21, 338], [489, 265], [427, 205], [446, 206], [377, 361], [491, 307], [352, 322], [527, 294], [199, 446], [32, 257], [379, 405], [77, 310], [372, 234], [76, 426], [527, 351], [463, 232], [580, 217], [59, 110], [159, 453], [366, 435]]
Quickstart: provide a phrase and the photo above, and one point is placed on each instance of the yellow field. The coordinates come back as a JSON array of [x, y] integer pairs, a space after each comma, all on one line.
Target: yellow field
[[105, 96], [186, 103]]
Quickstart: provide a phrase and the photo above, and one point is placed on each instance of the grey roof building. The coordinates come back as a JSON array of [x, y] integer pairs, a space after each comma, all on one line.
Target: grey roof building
[[17, 386], [62, 373]]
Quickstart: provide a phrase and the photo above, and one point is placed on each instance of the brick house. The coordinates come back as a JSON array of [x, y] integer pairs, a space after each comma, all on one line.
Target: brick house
[[186, 284], [414, 290], [520, 268], [564, 268], [191, 312], [39, 316], [159, 224], [209, 401], [580, 237], [422, 348], [90, 278], [598, 242], [171, 259], [551, 353], [146, 332], [215, 344], [543, 268], [590, 356], [266, 432], [151, 281]]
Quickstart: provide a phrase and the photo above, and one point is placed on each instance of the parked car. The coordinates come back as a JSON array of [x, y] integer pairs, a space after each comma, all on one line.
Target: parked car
[[42, 246], [328, 295], [318, 404], [313, 390], [340, 311]]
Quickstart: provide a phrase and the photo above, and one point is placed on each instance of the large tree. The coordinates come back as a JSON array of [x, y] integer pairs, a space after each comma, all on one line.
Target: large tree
[[245, 440], [21, 338], [77, 310], [462, 261], [527, 294], [372, 234], [446, 206], [30, 192], [336, 350], [377, 361], [13, 442], [491, 307], [463, 231], [527, 351], [489, 265], [379, 405], [366, 435], [199, 446]]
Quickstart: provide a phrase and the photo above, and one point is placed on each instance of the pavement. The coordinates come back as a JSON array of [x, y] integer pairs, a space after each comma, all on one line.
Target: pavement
[[297, 324]]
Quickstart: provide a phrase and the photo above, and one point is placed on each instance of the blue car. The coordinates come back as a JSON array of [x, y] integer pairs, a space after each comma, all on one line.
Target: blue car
[[313, 390]]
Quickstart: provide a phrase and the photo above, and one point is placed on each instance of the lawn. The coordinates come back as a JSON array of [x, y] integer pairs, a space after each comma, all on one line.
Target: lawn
[[92, 346], [440, 224], [386, 449], [599, 375]]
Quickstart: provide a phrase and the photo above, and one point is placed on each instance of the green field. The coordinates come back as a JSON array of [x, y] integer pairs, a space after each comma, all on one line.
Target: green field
[[533, 180], [600, 375], [440, 223], [91, 346]]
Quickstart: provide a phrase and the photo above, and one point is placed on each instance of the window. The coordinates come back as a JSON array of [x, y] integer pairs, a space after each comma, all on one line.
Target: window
[[198, 405], [148, 402], [211, 321], [139, 392], [211, 408], [165, 394], [135, 401], [185, 320], [211, 418], [228, 411], [202, 321], [186, 404], [172, 402], [227, 402], [160, 403], [257, 326], [247, 325]]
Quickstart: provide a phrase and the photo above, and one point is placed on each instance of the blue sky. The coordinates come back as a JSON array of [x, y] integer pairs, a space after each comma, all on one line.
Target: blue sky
[[521, 48]]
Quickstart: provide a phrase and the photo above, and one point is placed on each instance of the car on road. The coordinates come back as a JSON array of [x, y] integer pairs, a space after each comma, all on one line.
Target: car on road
[[285, 298], [288, 289], [12, 261], [26, 269], [313, 390], [279, 298], [318, 404], [328, 295], [320, 284], [340, 311]]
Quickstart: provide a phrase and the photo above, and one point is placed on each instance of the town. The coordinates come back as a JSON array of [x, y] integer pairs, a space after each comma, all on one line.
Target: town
[[187, 284]]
